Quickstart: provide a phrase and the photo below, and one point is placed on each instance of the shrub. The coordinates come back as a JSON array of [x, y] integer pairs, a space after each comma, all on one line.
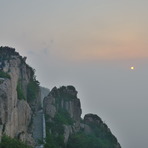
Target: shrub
[[81, 140], [4, 74], [53, 141], [32, 90], [63, 117], [20, 93], [8, 142]]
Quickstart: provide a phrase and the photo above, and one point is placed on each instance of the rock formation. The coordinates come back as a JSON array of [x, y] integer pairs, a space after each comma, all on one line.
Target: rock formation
[[64, 123], [17, 102]]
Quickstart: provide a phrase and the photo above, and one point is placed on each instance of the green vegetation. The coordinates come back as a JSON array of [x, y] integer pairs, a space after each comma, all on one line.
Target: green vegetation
[[102, 132], [8, 142], [4, 74], [63, 117], [32, 90], [33, 86], [53, 141], [20, 93], [100, 137], [55, 137], [81, 140]]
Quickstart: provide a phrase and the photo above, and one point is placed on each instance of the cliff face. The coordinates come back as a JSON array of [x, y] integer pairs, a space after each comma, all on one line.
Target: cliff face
[[64, 124], [15, 107], [64, 98]]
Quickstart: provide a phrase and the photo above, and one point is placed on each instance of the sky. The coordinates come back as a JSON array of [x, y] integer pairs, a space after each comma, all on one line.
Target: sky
[[90, 44]]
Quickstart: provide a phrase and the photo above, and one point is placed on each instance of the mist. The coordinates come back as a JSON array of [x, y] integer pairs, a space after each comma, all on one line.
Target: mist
[[91, 45]]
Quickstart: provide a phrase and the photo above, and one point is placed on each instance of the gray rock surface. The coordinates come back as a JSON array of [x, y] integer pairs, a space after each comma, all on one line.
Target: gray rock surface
[[38, 126], [67, 100]]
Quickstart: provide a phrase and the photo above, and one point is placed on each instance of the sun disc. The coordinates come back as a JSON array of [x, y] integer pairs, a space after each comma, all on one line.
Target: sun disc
[[132, 68]]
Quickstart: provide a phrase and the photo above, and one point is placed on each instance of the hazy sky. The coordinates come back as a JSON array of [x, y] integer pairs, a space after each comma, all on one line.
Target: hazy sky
[[90, 44]]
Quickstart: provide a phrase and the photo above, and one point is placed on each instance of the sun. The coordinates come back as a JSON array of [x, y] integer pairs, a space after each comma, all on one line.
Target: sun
[[132, 68]]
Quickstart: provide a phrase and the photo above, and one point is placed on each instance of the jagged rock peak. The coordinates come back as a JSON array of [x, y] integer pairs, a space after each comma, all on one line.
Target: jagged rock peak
[[69, 90], [9, 59], [8, 52], [89, 118], [64, 98]]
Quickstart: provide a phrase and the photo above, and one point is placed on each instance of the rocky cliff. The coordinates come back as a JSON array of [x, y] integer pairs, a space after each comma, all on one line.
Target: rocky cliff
[[19, 95], [66, 128]]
